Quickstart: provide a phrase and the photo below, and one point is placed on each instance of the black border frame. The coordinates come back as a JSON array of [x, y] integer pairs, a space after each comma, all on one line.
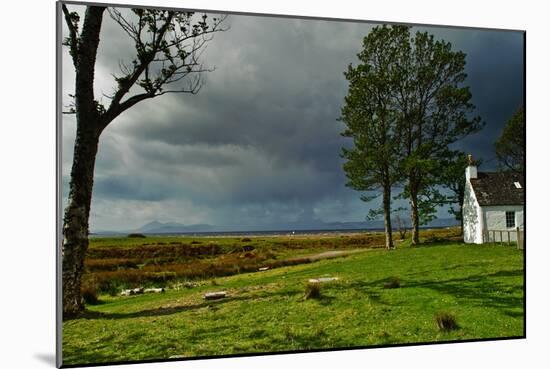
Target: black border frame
[[58, 186]]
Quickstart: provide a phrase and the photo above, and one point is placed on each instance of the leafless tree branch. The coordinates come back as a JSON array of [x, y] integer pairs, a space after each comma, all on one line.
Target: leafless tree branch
[[169, 46], [73, 35]]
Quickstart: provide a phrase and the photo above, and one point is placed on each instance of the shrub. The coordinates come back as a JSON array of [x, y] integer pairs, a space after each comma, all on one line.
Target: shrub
[[89, 294], [246, 239], [313, 290], [446, 322], [109, 264], [393, 282], [136, 235]]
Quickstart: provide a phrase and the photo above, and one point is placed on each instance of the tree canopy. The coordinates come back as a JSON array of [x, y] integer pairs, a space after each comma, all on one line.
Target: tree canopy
[[372, 121], [406, 104], [510, 146]]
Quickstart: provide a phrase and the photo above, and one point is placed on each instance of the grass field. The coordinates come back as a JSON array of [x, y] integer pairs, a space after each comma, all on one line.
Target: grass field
[[480, 285], [113, 264]]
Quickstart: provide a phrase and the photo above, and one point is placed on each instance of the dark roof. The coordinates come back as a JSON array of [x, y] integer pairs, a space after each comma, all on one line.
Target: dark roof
[[499, 188]]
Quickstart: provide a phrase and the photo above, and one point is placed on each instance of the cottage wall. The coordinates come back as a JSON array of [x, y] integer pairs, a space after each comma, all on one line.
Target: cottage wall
[[495, 220], [472, 216]]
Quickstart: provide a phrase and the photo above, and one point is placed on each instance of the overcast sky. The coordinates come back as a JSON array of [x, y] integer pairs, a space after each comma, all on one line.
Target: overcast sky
[[260, 144]]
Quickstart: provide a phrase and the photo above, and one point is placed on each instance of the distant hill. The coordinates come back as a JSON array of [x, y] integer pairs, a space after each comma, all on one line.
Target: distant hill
[[156, 227], [171, 227]]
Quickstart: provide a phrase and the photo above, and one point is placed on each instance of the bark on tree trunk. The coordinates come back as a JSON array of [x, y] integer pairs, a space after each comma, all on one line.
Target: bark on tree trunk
[[89, 127], [414, 218], [387, 217], [75, 221]]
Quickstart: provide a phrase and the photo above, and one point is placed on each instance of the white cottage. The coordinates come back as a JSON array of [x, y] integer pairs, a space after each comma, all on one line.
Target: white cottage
[[493, 205]]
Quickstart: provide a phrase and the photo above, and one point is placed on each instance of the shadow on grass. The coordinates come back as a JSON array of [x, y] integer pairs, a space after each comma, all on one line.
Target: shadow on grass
[[435, 242], [169, 310], [480, 289], [323, 300]]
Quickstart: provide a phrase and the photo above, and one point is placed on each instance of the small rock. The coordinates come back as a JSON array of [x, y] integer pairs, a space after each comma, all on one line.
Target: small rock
[[134, 291], [215, 295], [323, 280], [263, 269], [153, 290]]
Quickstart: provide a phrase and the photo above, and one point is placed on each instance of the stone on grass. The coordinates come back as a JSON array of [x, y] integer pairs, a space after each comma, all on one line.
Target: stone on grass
[[323, 280], [153, 290], [133, 291], [215, 295]]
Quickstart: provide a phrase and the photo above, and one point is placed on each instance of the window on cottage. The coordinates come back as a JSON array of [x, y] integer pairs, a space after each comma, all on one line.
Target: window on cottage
[[510, 219]]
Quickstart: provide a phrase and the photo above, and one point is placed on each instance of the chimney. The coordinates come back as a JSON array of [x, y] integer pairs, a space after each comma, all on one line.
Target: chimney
[[471, 169]]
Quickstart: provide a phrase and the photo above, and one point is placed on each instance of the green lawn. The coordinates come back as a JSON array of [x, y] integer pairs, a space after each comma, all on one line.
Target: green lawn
[[482, 285]]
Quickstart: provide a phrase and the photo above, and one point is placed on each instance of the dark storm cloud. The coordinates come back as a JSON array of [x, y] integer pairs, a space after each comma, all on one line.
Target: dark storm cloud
[[269, 92], [494, 64], [260, 143], [500, 95]]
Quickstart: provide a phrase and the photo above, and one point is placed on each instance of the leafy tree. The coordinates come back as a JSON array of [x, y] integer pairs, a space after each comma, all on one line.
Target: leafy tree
[[168, 45], [510, 146], [406, 104], [435, 111], [371, 120], [452, 177]]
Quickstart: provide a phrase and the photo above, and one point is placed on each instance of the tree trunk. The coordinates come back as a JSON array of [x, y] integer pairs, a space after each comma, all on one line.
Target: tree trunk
[[414, 218], [387, 216], [75, 221], [89, 127]]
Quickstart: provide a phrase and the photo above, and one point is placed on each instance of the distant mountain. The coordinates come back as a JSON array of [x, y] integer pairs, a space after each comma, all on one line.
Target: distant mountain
[[379, 224], [156, 227], [171, 227], [443, 222], [371, 224]]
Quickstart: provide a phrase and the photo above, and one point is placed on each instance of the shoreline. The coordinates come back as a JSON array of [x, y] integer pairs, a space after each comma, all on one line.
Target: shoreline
[[271, 233]]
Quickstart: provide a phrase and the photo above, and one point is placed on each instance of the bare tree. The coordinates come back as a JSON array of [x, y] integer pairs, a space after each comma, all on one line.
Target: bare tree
[[168, 46], [400, 225]]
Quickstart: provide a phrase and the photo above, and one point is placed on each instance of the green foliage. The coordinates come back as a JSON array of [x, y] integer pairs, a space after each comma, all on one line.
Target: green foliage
[[367, 113], [406, 104], [452, 177], [428, 199], [436, 112], [510, 146], [372, 123]]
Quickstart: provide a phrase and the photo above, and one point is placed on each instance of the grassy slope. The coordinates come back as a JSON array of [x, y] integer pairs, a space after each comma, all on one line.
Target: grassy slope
[[481, 285]]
